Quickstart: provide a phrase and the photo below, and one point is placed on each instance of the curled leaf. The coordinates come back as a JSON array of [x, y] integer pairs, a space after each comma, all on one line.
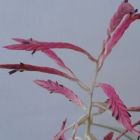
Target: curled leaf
[[109, 136], [33, 45], [26, 67], [116, 36], [120, 31], [119, 110], [124, 8], [55, 87]]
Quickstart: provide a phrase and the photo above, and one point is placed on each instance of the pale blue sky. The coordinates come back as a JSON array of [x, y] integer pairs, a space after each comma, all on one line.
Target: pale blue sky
[[28, 112]]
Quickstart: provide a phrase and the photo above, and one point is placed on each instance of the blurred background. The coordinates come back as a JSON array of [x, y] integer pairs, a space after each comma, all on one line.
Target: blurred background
[[28, 112]]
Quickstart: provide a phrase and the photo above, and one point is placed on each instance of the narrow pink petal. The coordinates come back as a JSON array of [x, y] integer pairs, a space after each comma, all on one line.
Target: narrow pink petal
[[58, 60], [109, 136], [26, 67], [123, 9], [58, 88], [26, 47], [119, 110], [33, 45]]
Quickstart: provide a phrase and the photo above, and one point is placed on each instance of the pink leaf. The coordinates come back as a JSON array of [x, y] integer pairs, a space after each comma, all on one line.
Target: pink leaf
[[119, 110], [120, 31], [58, 88], [33, 45], [60, 135], [116, 36], [26, 67], [109, 136], [123, 9], [134, 108]]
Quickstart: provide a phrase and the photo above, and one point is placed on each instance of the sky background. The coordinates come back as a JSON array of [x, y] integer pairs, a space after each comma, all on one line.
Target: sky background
[[28, 112]]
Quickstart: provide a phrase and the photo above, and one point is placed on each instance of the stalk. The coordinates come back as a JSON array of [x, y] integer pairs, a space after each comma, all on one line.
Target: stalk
[[89, 112]]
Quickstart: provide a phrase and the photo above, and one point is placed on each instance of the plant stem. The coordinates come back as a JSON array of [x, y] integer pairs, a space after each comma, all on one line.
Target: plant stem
[[80, 83], [90, 116]]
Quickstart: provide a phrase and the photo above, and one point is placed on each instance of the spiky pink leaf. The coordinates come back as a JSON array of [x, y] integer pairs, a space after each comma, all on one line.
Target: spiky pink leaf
[[119, 110], [58, 88], [33, 45], [116, 36], [60, 134], [26, 67], [123, 9], [109, 136]]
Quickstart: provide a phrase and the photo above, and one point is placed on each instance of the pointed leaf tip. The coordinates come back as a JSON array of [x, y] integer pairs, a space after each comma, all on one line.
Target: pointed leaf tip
[[116, 36], [54, 57], [123, 9]]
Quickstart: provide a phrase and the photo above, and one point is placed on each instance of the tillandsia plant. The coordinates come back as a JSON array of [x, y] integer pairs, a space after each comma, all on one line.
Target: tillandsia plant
[[124, 16]]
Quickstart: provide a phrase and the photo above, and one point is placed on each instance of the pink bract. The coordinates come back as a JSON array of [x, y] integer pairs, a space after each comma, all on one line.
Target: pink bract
[[58, 88], [116, 36], [123, 9], [119, 110]]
